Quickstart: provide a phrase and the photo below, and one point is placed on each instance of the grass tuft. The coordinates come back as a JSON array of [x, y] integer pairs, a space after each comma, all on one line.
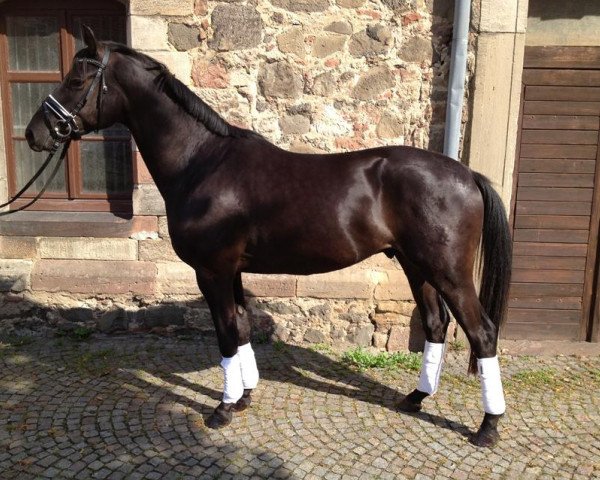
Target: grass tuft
[[364, 359]]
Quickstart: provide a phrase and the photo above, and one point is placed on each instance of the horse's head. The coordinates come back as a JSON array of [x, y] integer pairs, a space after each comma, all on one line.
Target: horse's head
[[87, 99]]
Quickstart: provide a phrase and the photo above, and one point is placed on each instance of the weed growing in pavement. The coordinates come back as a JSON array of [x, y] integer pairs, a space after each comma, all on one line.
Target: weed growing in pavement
[[457, 346], [279, 346], [16, 340], [98, 363], [81, 333], [364, 359]]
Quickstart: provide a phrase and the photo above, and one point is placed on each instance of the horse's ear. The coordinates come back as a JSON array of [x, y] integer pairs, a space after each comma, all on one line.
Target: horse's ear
[[89, 38]]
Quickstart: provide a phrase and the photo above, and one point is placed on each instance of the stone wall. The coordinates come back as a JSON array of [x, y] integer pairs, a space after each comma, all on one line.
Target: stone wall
[[310, 75]]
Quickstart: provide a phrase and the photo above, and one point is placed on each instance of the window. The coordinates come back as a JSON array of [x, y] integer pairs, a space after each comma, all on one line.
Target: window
[[38, 40]]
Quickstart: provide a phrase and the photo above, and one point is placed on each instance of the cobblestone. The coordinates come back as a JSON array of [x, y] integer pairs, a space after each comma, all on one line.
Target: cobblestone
[[134, 407]]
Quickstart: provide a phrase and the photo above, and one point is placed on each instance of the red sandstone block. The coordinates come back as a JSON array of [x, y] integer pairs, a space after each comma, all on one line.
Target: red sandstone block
[[94, 276], [269, 285]]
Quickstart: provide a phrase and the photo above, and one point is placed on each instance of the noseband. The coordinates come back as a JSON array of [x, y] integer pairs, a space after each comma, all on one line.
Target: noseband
[[65, 130], [67, 127]]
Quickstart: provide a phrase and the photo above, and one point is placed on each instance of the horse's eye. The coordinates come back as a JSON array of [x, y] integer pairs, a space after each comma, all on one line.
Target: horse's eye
[[76, 83]]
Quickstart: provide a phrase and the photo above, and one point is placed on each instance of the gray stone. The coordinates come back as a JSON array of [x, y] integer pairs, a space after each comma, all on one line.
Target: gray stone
[[390, 126], [324, 85], [292, 41], [294, 124], [314, 336], [15, 275], [362, 45], [328, 44], [342, 26], [302, 5], [416, 49], [78, 314], [401, 5], [380, 33], [163, 315], [280, 80], [113, 321], [236, 27], [363, 336], [183, 37], [373, 83]]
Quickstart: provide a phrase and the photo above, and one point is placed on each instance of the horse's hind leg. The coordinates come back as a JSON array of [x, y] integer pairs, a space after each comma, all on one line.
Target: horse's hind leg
[[435, 319], [483, 336], [247, 359]]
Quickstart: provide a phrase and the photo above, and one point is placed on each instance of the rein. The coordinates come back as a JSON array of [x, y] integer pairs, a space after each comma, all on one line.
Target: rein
[[65, 130]]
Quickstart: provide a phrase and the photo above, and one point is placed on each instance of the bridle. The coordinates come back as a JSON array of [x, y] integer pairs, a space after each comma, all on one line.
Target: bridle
[[66, 129]]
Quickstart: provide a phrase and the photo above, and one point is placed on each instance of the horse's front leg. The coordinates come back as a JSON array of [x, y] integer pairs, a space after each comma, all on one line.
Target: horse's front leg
[[233, 334]]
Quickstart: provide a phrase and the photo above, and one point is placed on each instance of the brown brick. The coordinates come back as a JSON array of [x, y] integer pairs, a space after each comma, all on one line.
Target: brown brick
[[340, 284], [157, 251], [18, 247], [269, 285], [176, 278], [94, 276], [85, 248], [395, 288]]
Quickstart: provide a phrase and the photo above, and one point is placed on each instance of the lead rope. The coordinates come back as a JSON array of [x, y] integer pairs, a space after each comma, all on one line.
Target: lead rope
[[35, 177]]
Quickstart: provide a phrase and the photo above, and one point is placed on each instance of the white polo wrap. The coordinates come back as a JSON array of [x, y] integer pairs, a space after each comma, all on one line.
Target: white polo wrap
[[431, 370], [248, 365], [234, 387], [491, 385]]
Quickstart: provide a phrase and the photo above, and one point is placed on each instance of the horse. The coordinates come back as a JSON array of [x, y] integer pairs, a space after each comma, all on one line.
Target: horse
[[237, 203]]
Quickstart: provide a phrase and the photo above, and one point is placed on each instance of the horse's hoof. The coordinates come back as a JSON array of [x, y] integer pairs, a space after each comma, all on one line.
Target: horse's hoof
[[412, 402], [244, 402], [409, 407], [485, 438], [221, 417]]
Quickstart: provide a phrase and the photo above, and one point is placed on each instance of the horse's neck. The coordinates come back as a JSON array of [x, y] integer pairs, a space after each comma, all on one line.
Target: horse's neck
[[166, 136]]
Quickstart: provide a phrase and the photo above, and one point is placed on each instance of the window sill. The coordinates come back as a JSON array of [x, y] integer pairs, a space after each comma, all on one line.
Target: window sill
[[75, 224]]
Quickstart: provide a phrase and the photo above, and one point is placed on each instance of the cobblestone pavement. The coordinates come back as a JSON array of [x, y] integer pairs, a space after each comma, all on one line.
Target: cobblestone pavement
[[133, 407]]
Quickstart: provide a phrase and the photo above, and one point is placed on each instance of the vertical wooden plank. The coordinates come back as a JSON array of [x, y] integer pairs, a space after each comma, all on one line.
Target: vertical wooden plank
[[589, 318]]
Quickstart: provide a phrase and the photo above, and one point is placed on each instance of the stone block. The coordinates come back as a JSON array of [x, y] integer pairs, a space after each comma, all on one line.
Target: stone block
[[294, 124], [350, 3], [209, 74], [302, 5], [15, 275], [313, 335], [403, 339], [18, 247], [183, 36], [324, 85], [236, 27], [269, 285], [87, 248], [201, 7], [380, 340], [280, 80], [400, 4], [147, 200], [94, 276], [503, 16], [364, 45], [176, 278], [396, 287], [179, 64], [390, 126], [327, 44], [149, 33], [384, 321], [163, 227], [417, 50], [164, 7], [340, 26], [362, 335], [292, 41], [373, 83], [340, 284], [157, 251]]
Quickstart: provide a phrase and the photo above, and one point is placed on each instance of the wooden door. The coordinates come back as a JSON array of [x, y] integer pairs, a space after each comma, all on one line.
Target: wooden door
[[555, 215]]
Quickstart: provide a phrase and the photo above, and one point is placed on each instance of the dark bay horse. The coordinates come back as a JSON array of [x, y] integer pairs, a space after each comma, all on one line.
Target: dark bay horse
[[236, 203]]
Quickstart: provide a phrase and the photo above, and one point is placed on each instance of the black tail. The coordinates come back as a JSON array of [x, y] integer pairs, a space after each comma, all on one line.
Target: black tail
[[495, 264]]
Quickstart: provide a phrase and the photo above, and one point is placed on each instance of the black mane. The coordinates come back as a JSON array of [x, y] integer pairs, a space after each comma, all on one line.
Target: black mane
[[183, 96]]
